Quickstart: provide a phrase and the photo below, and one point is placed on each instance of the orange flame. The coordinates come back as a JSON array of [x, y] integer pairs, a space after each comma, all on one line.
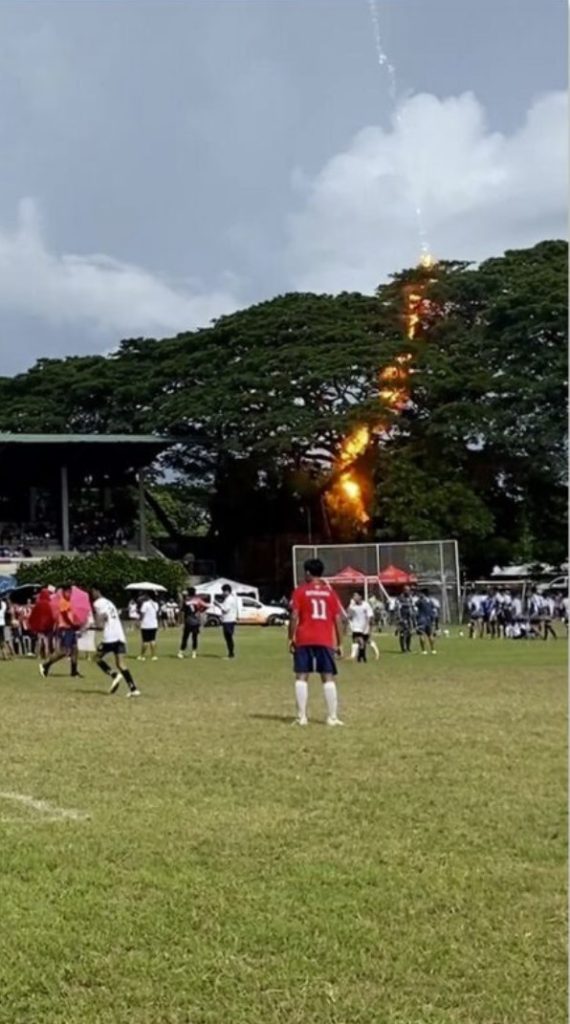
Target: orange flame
[[346, 487]]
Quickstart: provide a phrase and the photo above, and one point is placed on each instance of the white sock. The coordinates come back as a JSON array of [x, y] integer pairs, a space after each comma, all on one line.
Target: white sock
[[375, 648], [301, 696], [329, 690], [354, 651]]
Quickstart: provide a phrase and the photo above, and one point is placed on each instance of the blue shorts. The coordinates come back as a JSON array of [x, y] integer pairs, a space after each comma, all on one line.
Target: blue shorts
[[67, 639], [314, 659], [424, 628]]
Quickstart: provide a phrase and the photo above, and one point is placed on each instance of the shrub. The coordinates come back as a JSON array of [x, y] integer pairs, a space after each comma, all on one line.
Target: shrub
[[112, 570]]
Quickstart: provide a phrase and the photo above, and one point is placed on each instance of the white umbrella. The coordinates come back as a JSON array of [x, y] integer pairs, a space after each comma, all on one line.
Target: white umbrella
[[147, 586]]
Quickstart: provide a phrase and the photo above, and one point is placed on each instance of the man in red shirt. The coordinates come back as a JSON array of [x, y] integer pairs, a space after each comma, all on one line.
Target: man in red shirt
[[315, 636]]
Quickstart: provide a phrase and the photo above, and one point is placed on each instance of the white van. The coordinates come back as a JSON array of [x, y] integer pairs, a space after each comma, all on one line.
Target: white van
[[250, 611]]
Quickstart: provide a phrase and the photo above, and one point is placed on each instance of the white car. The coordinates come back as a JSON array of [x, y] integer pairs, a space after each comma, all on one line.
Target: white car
[[250, 613], [560, 583]]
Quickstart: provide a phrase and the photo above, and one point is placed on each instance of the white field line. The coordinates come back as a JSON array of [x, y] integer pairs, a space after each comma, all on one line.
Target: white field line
[[48, 812]]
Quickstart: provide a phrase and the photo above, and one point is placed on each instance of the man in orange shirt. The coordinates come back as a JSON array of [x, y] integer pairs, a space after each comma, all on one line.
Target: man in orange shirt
[[66, 635]]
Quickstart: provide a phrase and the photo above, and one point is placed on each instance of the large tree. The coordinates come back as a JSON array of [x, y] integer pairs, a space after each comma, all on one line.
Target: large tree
[[482, 445]]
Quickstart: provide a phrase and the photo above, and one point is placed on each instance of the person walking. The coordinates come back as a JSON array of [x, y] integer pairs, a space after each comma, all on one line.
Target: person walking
[[149, 627], [67, 628], [229, 607]]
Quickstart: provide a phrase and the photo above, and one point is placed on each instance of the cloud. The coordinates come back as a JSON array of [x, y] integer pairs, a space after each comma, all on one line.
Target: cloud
[[97, 292], [479, 192]]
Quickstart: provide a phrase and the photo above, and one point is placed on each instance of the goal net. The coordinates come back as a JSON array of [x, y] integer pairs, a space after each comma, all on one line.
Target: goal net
[[384, 568]]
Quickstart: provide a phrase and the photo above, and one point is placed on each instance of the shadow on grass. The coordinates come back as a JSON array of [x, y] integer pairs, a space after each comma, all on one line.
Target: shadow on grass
[[98, 693], [200, 657], [282, 719]]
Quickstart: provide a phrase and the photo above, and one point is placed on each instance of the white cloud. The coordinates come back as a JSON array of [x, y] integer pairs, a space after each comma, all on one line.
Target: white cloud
[[480, 192], [97, 291]]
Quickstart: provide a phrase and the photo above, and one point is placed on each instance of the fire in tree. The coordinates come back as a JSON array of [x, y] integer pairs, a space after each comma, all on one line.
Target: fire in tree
[[346, 490]]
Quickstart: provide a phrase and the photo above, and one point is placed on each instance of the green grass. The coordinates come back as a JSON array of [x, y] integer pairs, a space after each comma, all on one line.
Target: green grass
[[409, 869]]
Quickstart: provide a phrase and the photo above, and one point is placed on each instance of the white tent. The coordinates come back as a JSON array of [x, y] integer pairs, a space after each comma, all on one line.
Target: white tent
[[215, 587]]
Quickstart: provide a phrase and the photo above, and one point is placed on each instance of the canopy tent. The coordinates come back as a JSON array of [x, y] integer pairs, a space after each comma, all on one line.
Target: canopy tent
[[355, 578], [348, 575], [214, 587], [397, 577]]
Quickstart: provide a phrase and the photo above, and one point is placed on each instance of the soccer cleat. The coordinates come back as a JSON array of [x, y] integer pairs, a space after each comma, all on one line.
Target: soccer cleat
[[154, 658], [301, 720], [425, 652], [117, 680], [180, 654], [334, 721], [194, 654], [134, 693], [141, 658], [434, 652], [42, 670]]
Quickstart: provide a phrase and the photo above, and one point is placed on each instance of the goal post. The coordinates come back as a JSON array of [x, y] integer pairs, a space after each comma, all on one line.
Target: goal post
[[434, 564]]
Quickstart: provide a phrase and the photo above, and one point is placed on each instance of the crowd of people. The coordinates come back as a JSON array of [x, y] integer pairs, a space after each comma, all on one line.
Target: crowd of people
[[499, 613]]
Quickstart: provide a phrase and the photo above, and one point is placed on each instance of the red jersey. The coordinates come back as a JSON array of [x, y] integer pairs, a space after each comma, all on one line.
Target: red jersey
[[317, 608]]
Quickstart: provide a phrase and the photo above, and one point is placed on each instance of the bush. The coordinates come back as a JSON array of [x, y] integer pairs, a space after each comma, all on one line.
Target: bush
[[112, 570]]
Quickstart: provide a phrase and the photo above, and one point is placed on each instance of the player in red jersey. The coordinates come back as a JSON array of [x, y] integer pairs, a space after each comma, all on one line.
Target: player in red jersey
[[315, 636]]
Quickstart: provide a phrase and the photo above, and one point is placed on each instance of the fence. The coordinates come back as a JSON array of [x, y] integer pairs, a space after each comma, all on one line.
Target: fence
[[434, 564]]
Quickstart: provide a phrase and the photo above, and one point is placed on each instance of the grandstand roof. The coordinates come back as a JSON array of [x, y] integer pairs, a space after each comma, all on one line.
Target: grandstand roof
[[40, 454], [11, 438]]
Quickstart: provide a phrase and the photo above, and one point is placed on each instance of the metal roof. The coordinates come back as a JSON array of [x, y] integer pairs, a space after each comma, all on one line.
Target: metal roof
[[151, 439]]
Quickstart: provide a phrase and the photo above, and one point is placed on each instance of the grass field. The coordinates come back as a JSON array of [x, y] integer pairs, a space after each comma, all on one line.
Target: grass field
[[230, 869]]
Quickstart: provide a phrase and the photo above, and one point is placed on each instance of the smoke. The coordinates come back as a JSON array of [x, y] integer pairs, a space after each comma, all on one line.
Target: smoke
[[481, 192]]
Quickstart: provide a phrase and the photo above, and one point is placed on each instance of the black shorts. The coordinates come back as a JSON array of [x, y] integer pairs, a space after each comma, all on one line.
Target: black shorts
[[2, 634], [114, 647], [148, 636], [314, 659], [357, 637]]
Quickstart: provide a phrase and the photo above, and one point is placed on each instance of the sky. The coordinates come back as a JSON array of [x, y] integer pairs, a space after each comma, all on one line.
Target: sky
[[164, 163]]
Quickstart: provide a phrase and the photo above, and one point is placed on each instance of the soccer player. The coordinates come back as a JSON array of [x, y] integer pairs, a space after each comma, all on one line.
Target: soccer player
[[315, 635], [425, 621], [361, 618], [66, 635], [406, 620], [114, 642]]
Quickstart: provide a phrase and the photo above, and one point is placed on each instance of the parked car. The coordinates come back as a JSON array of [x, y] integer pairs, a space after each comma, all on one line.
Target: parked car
[[559, 583], [250, 612]]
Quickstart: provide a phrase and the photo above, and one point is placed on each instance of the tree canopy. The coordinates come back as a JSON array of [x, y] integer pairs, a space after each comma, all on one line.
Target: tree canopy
[[261, 400]]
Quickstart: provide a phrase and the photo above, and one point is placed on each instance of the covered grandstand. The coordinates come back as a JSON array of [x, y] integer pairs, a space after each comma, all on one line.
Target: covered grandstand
[[74, 492]]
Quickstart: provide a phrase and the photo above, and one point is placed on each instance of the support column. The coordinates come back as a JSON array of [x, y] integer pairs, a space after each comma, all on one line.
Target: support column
[[445, 616], [32, 504], [142, 515], [64, 508]]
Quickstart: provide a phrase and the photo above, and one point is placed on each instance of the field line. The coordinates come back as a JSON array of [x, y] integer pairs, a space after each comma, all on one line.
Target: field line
[[48, 811]]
